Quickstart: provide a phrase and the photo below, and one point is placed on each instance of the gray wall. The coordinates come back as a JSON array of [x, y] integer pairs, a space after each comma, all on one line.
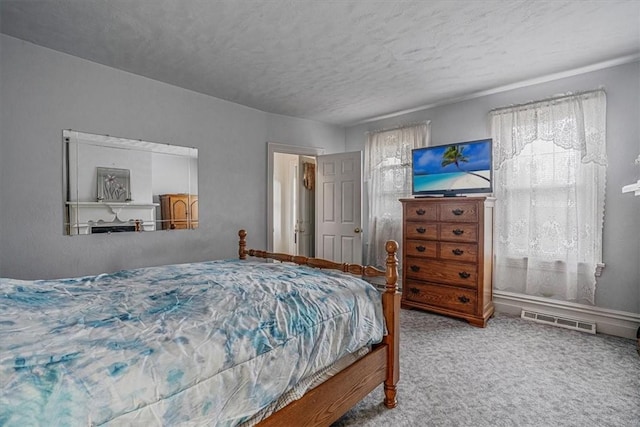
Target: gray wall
[[619, 286], [43, 91]]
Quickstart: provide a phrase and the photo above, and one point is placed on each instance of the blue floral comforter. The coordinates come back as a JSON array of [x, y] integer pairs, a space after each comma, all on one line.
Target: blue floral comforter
[[206, 343]]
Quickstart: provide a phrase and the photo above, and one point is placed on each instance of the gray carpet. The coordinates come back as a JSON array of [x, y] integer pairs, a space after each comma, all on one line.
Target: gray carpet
[[512, 373]]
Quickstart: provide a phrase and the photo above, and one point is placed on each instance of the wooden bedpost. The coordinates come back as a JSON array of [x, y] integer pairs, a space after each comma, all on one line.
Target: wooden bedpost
[[242, 244], [391, 307]]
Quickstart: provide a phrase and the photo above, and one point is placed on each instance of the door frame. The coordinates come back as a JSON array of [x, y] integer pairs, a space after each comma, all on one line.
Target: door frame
[[272, 148]]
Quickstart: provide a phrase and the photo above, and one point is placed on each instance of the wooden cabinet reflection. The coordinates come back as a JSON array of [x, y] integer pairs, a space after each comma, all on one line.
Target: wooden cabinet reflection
[[179, 211]]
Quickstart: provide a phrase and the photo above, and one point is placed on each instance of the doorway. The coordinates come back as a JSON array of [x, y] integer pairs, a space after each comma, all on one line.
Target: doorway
[[325, 222], [294, 204], [290, 205]]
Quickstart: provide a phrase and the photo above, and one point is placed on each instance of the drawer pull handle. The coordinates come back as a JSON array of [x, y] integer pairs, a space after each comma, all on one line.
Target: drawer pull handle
[[421, 230], [463, 299], [415, 268], [421, 248], [457, 251], [414, 290], [457, 212], [421, 211], [457, 232], [464, 274]]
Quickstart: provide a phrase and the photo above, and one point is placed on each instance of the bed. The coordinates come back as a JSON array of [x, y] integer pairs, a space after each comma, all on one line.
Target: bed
[[234, 342]]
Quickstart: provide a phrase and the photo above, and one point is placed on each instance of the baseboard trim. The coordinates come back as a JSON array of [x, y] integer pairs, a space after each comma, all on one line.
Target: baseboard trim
[[610, 322]]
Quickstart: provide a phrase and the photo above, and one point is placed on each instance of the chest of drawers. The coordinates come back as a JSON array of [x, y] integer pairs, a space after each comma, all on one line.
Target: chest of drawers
[[447, 256]]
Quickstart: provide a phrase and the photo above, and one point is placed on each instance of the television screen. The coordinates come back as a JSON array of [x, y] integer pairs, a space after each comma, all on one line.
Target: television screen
[[452, 169]]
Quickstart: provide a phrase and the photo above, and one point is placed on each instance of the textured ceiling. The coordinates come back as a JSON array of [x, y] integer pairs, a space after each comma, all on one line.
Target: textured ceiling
[[338, 62]]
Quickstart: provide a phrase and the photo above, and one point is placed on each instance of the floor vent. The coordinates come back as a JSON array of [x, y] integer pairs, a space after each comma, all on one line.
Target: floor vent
[[562, 322]]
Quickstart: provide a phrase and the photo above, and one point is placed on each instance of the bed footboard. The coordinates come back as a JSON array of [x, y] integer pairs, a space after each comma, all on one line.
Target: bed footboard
[[325, 404]]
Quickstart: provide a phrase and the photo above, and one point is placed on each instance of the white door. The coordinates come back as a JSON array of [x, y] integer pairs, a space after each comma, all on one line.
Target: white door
[[304, 227], [338, 207]]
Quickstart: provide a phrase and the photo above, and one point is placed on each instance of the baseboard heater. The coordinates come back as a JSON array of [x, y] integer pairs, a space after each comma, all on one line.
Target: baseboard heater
[[562, 322]]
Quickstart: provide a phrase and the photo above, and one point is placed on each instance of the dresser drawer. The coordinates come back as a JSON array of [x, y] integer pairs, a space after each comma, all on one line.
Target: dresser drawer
[[467, 252], [449, 297], [458, 212], [419, 230], [458, 232], [421, 211], [421, 249], [449, 272]]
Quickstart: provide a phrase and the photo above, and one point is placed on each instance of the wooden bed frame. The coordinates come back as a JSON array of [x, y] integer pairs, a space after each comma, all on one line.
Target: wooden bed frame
[[327, 402]]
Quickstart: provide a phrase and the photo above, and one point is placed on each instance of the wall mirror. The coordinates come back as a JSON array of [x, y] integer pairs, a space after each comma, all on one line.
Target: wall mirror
[[115, 185]]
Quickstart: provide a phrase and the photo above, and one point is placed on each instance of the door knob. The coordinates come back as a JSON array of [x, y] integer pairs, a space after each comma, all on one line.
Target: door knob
[[357, 230]]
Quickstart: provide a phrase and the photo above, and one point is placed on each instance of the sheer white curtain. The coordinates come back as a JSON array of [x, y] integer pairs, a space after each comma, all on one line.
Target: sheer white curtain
[[388, 178], [549, 182]]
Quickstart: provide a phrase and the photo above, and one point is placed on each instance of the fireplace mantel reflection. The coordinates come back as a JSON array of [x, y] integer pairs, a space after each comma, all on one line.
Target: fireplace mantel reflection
[[101, 217]]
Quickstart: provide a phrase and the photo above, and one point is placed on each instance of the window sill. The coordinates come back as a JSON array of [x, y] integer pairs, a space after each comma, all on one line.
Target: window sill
[[550, 265]]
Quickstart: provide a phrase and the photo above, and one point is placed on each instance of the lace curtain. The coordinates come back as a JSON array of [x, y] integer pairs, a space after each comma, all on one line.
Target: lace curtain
[[388, 178], [549, 182]]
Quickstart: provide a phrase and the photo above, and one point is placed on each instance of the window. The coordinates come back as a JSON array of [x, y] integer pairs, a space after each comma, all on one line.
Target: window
[[550, 164], [388, 178]]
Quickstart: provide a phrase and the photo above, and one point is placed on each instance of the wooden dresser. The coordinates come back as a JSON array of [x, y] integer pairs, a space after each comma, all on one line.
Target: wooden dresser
[[447, 252], [179, 211]]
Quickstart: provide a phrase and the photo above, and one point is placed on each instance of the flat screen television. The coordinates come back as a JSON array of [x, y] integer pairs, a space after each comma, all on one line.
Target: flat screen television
[[452, 169]]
